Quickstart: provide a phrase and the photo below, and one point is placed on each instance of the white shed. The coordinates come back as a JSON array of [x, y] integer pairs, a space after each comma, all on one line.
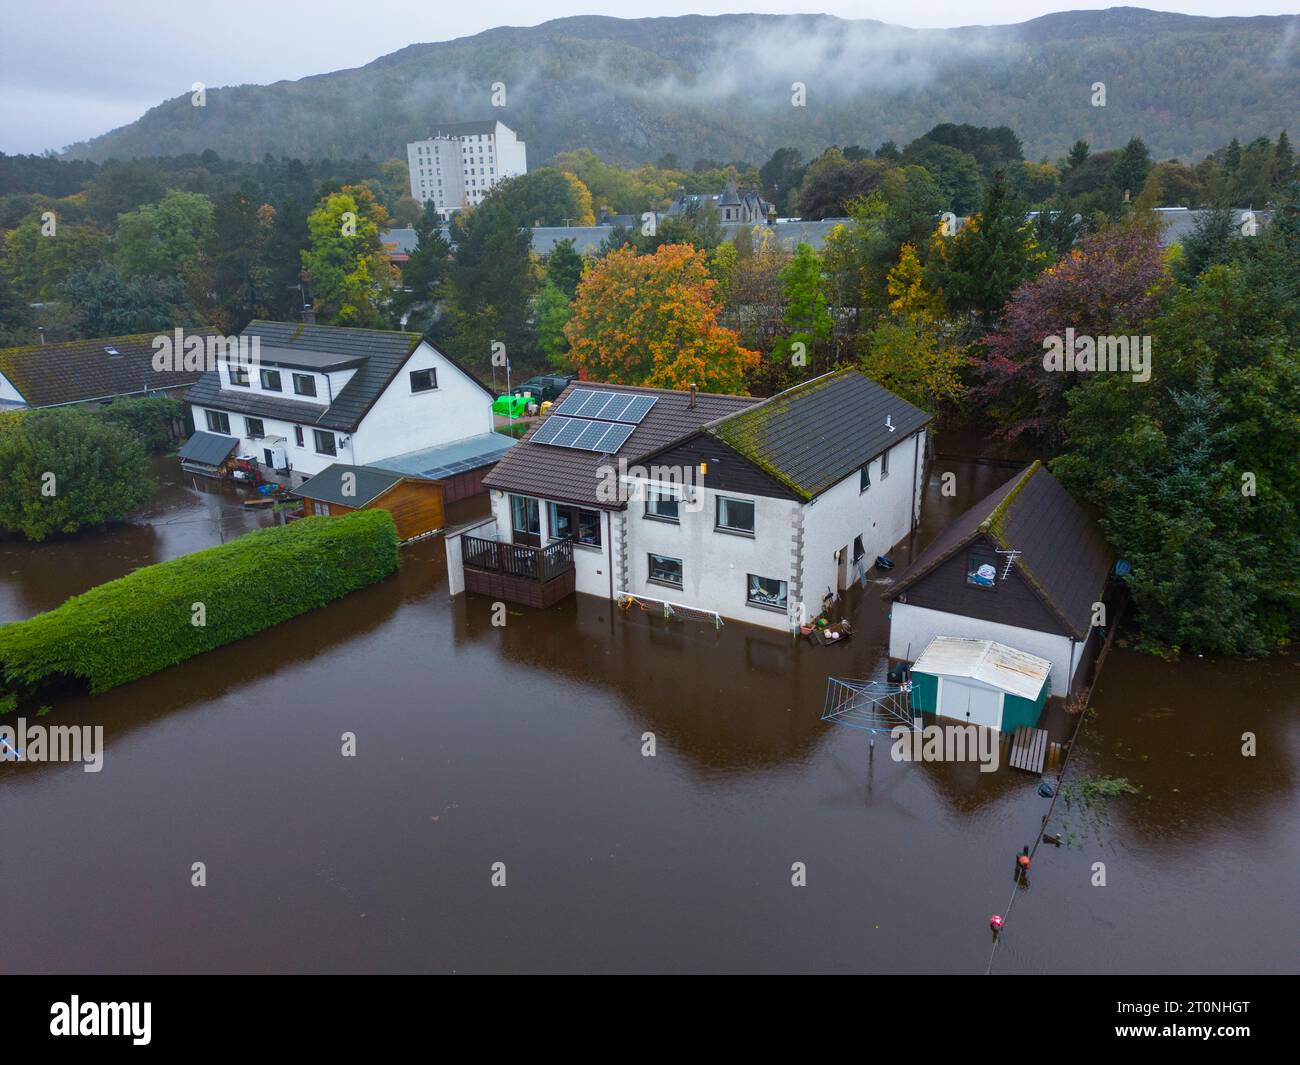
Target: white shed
[[980, 682]]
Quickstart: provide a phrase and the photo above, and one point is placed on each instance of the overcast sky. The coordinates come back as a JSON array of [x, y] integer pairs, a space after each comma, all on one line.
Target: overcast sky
[[72, 69]]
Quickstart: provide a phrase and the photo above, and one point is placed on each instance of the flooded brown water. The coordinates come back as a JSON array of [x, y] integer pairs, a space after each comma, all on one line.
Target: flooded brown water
[[522, 745]]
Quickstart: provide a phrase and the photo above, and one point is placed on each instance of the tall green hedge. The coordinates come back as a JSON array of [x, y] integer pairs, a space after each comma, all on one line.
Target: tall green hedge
[[144, 622]]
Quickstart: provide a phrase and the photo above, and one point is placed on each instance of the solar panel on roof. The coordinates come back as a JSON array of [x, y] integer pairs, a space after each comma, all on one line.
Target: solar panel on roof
[[638, 409], [547, 430], [583, 434], [615, 437], [618, 406], [606, 406], [570, 432], [591, 436], [573, 401]]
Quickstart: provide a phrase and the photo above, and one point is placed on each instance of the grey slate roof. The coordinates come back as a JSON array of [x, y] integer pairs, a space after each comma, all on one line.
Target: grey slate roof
[[327, 486], [82, 370], [405, 239], [447, 460], [571, 476], [1063, 555], [812, 436], [208, 449]]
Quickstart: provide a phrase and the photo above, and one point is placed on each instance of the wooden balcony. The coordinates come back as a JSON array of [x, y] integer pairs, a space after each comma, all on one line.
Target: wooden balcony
[[534, 576]]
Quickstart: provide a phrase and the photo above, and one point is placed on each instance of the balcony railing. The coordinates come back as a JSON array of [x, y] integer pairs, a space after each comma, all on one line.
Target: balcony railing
[[514, 560]]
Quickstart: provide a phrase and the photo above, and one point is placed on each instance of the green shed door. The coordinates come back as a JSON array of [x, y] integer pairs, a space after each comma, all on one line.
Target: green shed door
[[925, 692]]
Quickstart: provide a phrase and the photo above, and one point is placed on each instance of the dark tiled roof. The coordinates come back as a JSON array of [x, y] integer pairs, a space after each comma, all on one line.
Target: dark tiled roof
[[814, 435], [81, 370], [1062, 552], [571, 476], [327, 486], [384, 353], [209, 449]]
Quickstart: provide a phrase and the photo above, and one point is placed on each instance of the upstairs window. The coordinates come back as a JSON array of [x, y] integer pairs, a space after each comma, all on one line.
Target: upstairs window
[[864, 478], [271, 381], [735, 515], [884, 465], [663, 503], [424, 380], [305, 385], [239, 376]]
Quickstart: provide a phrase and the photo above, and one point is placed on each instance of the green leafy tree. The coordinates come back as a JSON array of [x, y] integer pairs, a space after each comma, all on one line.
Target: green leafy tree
[[564, 268], [346, 264], [156, 240], [62, 470], [112, 305], [552, 310], [806, 310]]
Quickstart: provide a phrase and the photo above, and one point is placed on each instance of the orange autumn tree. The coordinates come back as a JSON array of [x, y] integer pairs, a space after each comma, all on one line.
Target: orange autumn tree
[[652, 320]]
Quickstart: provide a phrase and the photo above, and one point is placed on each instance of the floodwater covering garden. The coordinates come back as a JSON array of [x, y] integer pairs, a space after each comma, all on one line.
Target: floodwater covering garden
[[523, 745]]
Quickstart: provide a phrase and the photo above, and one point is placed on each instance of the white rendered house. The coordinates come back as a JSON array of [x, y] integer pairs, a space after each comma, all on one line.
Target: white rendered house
[[316, 395], [755, 510]]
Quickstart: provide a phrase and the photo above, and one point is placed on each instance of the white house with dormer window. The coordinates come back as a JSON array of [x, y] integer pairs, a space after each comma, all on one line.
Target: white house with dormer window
[[314, 395]]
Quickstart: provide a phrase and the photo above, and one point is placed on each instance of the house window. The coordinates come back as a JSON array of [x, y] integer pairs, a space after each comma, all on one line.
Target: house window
[[254, 429], [239, 376], [864, 478], [424, 380], [735, 515], [324, 442], [767, 592], [858, 549], [271, 380], [297, 435], [574, 523], [304, 384], [218, 422], [527, 516], [982, 569], [665, 570], [663, 503], [321, 509], [884, 465]]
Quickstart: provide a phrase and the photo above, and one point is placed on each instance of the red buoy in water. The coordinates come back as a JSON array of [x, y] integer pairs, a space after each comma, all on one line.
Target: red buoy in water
[[995, 923], [1023, 861]]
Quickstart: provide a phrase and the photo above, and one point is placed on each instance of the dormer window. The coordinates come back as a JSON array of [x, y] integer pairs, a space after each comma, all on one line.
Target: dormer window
[[239, 376], [304, 384], [271, 381]]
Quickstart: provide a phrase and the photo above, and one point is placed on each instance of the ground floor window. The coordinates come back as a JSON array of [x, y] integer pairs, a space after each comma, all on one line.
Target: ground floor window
[[324, 442], [527, 518], [218, 422], [768, 592], [254, 429], [323, 509], [858, 549], [665, 570], [297, 435], [575, 523]]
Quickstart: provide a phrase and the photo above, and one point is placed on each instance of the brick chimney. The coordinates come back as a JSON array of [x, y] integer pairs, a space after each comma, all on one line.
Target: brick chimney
[[308, 314], [691, 403]]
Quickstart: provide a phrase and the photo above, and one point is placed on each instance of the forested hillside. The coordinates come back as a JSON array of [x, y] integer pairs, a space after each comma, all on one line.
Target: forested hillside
[[720, 88]]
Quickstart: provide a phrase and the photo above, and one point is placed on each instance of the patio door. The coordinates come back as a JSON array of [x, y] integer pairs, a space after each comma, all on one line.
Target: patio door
[[526, 521]]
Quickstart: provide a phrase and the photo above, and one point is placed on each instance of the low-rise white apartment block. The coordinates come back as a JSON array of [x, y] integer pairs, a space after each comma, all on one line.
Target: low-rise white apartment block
[[461, 162]]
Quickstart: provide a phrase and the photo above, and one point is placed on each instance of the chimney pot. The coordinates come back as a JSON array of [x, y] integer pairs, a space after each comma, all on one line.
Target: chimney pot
[[691, 404]]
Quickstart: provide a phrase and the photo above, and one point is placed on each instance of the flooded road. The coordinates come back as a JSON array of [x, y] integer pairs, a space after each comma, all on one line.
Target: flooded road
[[523, 745]]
